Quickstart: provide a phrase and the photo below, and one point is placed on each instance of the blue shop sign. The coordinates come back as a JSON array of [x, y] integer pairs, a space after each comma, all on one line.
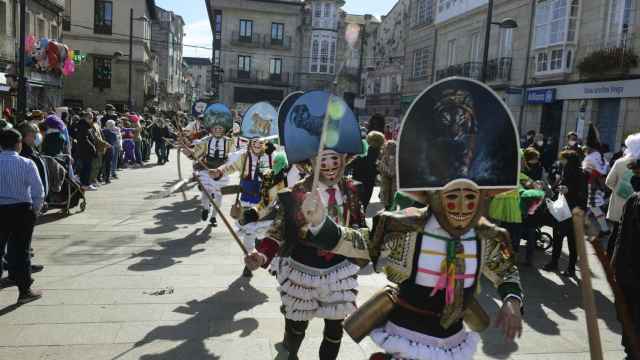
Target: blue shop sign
[[541, 96]]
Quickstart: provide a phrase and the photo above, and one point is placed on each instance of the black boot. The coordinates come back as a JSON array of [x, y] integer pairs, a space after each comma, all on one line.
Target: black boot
[[329, 349], [204, 215], [214, 222], [247, 273], [552, 266], [292, 343]]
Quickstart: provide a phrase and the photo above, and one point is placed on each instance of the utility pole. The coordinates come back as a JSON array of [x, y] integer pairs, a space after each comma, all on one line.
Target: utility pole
[[130, 59], [22, 80]]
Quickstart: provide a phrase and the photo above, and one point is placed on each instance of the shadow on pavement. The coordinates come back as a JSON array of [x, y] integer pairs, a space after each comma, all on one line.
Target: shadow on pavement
[[222, 307], [175, 215], [156, 259]]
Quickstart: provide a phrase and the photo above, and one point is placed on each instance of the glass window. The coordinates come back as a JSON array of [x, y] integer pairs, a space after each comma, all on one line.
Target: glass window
[[420, 63], [103, 17], [542, 62], [40, 30], [327, 10], [475, 47], [506, 42], [244, 63], [315, 56], [102, 72], [332, 57], [218, 22], [54, 32], [424, 14], [569, 63], [556, 60], [556, 22], [277, 32], [620, 22], [216, 57], [246, 30], [324, 56], [317, 10], [451, 52], [275, 66]]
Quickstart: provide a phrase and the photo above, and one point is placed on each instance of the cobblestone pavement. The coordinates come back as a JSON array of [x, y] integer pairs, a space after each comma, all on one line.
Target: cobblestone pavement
[[139, 276]]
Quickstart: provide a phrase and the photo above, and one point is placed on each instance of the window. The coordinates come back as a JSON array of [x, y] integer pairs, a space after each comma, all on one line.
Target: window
[[216, 57], [620, 22], [315, 56], [556, 60], [103, 17], [277, 33], [244, 66], [451, 52], [102, 72], [246, 30], [275, 69], [506, 42], [40, 29], [324, 56], [542, 62], [424, 14], [420, 63], [475, 47], [556, 22], [218, 24], [3, 17], [317, 7], [327, 10], [332, 58], [53, 33]]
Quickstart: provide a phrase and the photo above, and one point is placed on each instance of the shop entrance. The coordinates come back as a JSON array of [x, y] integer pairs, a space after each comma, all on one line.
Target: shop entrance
[[551, 126], [607, 121]]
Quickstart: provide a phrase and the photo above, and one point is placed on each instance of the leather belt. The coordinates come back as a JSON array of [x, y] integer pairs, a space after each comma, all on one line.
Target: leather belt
[[403, 304]]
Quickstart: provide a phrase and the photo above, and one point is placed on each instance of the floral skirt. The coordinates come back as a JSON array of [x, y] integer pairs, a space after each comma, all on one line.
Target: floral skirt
[[309, 292]]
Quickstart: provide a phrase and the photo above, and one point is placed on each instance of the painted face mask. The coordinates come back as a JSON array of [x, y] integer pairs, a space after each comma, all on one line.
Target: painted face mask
[[257, 147], [331, 167], [460, 201], [218, 131]]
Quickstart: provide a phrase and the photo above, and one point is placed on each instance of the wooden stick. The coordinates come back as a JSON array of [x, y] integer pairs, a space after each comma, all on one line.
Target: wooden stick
[[224, 218], [588, 301], [181, 181], [323, 139]]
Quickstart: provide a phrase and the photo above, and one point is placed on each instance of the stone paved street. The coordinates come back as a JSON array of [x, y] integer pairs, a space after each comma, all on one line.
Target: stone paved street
[[139, 276]]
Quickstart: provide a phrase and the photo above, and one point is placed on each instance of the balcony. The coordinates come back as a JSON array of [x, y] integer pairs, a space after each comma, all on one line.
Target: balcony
[[603, 59], [277, 44], [249, 41], [7, 49], [258, 78], [498, 70]]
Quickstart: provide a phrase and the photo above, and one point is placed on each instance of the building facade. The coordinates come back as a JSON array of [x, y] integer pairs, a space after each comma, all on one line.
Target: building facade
[[200, 72], [167, 33], [585, 72], [256, 50], [99, 32], [8, 35]]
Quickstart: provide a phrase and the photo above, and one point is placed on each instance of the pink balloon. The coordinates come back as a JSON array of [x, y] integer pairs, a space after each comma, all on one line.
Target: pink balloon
[[30, 42], [69, 67]]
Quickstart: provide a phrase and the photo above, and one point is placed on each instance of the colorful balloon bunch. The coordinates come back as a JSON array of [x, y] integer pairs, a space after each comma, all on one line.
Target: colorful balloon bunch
[[49, 55]]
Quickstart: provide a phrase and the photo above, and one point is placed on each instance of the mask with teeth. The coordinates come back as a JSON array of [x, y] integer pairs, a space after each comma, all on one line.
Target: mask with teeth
[[331, 167], [458, 206], [217, 132], [257, 147]]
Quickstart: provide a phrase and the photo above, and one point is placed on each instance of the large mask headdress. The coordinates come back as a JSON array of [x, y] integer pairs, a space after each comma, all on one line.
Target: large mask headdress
[[260, 122], [218, 115], [457, 139]]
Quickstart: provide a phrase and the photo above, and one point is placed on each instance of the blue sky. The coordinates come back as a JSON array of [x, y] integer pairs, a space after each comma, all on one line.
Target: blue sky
[[199, 32]]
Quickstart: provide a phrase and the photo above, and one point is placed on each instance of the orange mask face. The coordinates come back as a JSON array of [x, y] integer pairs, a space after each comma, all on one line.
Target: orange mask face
[[460, 201], [218, 131], [257, 146], [331, 167]]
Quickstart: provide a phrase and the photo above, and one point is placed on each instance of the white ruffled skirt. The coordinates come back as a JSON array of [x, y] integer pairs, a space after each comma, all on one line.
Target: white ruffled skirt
[[404, 344], [309, 292], [251, 232]]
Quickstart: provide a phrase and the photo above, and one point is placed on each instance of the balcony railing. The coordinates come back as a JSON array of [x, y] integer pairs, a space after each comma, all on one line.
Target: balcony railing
[[497, 70], [259, 77], [282, 44], [254, 40]]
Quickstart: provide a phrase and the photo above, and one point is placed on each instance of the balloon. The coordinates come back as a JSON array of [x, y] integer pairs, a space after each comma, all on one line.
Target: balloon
[[30, 43], [69, 67]]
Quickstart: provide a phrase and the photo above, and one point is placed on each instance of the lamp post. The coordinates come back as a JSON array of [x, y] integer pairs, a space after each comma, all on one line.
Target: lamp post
[[131, 20], [22, 80], [504, 24]]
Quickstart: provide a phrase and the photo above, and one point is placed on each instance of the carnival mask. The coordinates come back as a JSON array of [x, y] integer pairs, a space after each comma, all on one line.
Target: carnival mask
[[457, 206], [218, 131], [257, 146], [331, 167]]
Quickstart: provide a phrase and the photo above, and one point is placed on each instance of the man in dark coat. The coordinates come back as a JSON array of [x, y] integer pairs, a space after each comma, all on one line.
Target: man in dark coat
[[86, 149], [625, 263]]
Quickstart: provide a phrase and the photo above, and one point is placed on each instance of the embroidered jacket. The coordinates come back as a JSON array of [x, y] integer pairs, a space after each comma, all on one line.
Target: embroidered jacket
[[290, 232], [393, 244], [201, 149]]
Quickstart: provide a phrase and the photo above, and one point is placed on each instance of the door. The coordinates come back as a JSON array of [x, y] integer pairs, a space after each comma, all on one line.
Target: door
[[607, 121], [551, 126]]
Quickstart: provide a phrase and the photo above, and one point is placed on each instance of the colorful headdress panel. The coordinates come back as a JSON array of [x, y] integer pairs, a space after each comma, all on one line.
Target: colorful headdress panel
[[457, 128], [283, 111], [260, 122], [304, 124], [218, 115]]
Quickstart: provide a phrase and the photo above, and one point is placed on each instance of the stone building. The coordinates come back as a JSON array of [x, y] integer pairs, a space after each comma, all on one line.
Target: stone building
[[167, 32], [99, 31], [257, 47], [384, 60], [585, 72], [200, 71], [8, 35]]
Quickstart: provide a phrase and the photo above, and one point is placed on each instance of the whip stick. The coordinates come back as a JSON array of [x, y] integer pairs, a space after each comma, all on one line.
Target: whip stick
[[588, 301], [224, 218]]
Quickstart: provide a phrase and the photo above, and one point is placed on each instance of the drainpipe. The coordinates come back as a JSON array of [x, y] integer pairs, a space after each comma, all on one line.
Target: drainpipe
[[363, 37], [526, 65]]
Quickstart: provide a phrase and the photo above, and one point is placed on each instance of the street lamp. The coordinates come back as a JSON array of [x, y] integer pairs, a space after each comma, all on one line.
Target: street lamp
[[504, 24], [131, 20]]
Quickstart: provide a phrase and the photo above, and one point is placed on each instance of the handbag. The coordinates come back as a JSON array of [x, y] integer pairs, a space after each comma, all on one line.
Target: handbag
[[236, 208], [559, 209]]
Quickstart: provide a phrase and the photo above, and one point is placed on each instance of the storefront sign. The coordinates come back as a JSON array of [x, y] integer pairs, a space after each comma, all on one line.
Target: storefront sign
[[596, 90], [541, 96]]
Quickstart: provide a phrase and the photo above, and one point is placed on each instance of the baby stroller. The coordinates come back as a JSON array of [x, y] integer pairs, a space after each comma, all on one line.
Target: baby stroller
[[540, 218], [70, 194]]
